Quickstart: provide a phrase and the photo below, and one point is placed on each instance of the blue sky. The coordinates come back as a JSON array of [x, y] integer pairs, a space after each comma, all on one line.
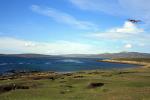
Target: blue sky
[[73, 26]]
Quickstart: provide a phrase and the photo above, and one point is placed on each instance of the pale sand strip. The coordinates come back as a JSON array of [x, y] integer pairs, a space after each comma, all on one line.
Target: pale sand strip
[[144, 64]]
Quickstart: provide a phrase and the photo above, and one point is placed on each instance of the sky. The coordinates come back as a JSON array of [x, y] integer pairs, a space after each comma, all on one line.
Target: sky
[[74, 26]]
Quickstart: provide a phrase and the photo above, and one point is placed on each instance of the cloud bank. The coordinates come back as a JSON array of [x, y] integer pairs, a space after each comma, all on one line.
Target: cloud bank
[[128, 30], [13, 45], [129, 34]]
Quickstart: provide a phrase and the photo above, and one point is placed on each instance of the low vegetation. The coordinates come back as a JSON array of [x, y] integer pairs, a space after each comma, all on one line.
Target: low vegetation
[[126, 84], [135, 59]]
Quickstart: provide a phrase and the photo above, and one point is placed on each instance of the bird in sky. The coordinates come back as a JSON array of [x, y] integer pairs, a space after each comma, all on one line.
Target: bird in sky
[[134, 21]]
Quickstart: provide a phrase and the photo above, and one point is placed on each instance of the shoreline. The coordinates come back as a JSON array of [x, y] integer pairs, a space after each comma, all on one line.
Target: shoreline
[[43, 75], [132, 82], [142, 64]]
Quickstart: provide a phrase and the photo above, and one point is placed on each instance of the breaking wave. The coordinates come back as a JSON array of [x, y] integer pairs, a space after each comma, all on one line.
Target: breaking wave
[[71, 61]]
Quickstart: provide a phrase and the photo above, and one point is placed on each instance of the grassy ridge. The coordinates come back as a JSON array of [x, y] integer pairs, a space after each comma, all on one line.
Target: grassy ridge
[[134, 59]]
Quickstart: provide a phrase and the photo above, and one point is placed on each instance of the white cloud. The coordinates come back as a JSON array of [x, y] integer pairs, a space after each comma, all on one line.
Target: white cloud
[[128, 46], [97, 5], [13, 45], [128, 27], [64, 18], [138, 9], [128, 33], [128, 30], [30, 44]]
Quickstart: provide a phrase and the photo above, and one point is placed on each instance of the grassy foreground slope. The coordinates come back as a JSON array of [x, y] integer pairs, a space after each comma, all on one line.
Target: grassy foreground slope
[[127, 84]]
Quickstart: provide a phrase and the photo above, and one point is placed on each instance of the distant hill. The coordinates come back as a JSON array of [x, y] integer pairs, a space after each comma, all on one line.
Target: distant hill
[[126, 55], [112, 55], [26, 55], [105, 55]]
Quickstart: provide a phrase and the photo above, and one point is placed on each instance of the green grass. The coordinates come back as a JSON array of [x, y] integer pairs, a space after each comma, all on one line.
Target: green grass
[[127, 84]]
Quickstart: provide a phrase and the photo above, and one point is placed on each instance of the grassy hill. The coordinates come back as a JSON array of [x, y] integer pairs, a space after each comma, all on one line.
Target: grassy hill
[[103, 55], [135, 59]]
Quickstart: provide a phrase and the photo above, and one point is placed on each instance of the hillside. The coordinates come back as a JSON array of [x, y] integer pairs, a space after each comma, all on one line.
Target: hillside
[[104, 55], [27, 55], [112, 55]]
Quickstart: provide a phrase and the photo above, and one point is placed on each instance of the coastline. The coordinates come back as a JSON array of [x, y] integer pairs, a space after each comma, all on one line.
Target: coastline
[[127, 83], [46, 75], [143, 64]]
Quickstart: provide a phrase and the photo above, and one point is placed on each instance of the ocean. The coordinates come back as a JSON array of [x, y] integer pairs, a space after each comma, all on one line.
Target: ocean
[[56, 64]]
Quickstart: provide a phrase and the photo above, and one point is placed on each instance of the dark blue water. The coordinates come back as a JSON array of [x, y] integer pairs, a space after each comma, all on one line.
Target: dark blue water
[[56, 64]]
